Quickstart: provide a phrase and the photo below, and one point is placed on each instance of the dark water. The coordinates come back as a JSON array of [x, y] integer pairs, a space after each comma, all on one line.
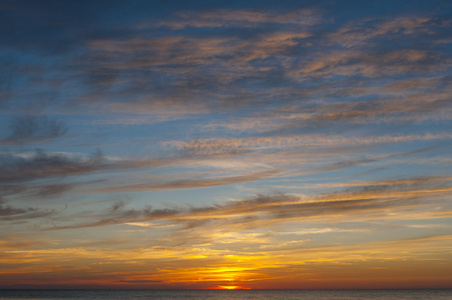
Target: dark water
[[226, 294]]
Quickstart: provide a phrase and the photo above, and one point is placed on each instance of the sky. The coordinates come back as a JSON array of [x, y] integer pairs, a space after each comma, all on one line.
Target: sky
[[226, 144]]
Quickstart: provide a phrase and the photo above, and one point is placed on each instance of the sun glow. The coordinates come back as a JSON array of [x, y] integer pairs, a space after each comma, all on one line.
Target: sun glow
[[228, 287], [231, 287]]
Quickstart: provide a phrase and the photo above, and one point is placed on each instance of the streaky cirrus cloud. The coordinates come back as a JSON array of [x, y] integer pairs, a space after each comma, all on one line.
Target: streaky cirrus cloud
[[372, 199], [25, 129]]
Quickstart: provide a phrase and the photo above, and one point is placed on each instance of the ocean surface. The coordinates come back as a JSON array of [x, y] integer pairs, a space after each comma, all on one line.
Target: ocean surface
[[227, 294]]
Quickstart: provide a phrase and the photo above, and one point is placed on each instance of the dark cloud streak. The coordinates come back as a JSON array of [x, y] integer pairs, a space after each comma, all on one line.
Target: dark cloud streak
[[374, 199], [26, 129], [10, 213]]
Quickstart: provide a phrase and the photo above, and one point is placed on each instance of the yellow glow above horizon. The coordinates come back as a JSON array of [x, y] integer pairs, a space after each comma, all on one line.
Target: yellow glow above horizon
[[228, 287]]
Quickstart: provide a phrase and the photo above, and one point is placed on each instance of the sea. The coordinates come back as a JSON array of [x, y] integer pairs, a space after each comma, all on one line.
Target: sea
[[420, 294]]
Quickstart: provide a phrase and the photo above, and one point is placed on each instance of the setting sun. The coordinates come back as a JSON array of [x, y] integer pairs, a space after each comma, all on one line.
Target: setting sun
[[231, 287]]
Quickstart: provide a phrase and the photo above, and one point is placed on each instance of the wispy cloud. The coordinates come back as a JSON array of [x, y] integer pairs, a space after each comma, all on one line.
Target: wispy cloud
[[187, 183], [374, 201], [34, 129], [10, 213], [241, 18]]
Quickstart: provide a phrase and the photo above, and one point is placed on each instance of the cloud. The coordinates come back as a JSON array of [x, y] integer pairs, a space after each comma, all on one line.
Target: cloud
[[356, 162], [307, 70], [376, 200], [37, 190], [189, 183], [240, 18], [26, 129], [371, 64], [43, 165], [300, 154], [40, 164], [10, 213], [117, 214], [43, 174], [6, 210], [212, 146], [357, 33], [195, 65], [240, 58], [37, 22]]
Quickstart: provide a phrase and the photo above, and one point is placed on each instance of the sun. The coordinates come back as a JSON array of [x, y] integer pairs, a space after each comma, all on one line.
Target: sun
[[228, 287]]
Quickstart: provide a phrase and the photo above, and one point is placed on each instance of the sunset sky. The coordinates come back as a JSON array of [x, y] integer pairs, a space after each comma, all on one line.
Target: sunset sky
[[226, 144]]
